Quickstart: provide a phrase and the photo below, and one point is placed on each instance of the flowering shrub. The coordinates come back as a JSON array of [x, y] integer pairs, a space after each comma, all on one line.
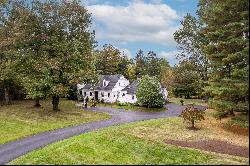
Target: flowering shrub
[[149, 92]]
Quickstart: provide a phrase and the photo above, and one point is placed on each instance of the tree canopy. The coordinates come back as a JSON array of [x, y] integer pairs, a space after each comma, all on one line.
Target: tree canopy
[[57, 48]]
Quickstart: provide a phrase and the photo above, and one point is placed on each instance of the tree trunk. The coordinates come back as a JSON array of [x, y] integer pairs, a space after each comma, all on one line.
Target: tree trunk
[[206, 98], [192, 124], [37, 102], [55, 102], [7, 95], [231, 112]]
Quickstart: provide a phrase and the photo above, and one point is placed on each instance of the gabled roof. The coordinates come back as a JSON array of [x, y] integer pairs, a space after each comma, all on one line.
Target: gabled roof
[[131, 88], [112, 79]]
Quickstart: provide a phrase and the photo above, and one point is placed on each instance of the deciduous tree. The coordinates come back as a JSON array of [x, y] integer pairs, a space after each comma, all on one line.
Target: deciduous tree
[[60, 48], [108, 60]]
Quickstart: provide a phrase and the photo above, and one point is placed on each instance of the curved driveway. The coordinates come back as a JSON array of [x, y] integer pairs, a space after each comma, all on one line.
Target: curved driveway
[[12, 150]]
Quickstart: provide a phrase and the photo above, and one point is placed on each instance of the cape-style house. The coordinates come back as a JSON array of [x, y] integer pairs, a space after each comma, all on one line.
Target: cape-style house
[[112, 88]]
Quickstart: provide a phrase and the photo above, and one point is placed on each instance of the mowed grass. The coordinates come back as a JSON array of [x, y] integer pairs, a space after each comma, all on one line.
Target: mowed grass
[[188, 101], [138, 143], [22, 119], [132, 107]]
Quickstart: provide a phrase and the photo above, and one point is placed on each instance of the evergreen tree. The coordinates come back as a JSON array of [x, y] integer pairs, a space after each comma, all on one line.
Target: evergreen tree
[[124, 65], [153, 65], [227, 30], [140, 62]]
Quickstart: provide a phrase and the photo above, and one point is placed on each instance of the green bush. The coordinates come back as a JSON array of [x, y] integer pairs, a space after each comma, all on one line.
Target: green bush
[[122, 104], [220, 114], [240, 120], [192, 115], [93, 103], [80, 98], [149, 92], [182, 102]]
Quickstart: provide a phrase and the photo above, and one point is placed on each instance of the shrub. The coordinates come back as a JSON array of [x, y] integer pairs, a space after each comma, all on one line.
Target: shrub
[[80, 98], [240, 120], [92, 103], [220, 114], [192, 115], [122, 104], [182, 102], [149, 92]]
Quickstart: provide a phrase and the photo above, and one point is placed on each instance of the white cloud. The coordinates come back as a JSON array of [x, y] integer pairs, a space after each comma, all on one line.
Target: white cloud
[[139, 21], [170, 56]]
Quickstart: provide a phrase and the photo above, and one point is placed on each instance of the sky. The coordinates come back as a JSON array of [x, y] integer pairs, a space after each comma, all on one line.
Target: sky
[[130, 25]]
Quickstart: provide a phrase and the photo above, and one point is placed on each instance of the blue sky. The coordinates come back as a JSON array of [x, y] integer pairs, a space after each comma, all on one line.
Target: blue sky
[[131, 25]]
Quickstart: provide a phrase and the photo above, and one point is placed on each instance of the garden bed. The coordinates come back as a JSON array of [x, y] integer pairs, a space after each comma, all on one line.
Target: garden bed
[[213, 146]]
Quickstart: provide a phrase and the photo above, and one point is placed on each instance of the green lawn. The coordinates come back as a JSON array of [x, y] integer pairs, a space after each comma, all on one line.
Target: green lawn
[[188, 101], [22, 119], [134, 143], [131, 107]]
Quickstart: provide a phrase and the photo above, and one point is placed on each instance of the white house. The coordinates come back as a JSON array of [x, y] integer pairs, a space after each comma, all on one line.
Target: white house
[[128, 94], [112, 88]]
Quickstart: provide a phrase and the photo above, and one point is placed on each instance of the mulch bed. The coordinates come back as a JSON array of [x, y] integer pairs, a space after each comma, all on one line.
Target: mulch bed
[[213, 146], [236, 129]]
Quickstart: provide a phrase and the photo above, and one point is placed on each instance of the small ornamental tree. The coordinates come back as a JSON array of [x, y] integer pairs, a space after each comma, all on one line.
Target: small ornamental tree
[[192, 115], [149, 92]]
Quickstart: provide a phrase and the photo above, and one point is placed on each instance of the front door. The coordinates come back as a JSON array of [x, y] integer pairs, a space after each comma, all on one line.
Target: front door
[[96, 95]]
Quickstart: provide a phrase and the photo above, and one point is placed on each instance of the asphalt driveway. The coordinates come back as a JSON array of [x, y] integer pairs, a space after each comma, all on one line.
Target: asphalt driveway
[[12, 150]]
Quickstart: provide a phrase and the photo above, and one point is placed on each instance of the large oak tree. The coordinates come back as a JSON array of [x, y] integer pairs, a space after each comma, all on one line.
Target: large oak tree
[[58, 48]]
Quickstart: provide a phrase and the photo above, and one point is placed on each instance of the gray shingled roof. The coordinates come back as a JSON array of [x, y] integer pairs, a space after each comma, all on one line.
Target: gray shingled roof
[[113, 79], [131, 88]]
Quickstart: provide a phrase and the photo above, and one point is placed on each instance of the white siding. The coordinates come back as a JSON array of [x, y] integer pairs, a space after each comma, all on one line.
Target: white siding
[[116, 94], [128, 98]]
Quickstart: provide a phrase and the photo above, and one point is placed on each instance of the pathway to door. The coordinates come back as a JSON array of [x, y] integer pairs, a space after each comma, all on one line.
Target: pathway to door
[[12, 150]]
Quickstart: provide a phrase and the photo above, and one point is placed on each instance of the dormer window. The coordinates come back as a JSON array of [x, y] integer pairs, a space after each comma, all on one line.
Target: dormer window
[[104, 83]]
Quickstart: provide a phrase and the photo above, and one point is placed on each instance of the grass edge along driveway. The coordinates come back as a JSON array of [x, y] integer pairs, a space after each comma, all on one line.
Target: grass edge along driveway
[[21, 119]]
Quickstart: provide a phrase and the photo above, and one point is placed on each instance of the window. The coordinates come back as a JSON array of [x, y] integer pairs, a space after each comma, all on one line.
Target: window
[[119, 84], [104, 83], [123, 94], [102, 94], [114, 95], [133, 97], [90, 93], [80, 92], [108, 94], [85, 93]]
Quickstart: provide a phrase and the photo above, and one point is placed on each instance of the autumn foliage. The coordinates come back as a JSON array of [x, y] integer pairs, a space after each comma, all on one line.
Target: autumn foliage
[[192, 114]]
